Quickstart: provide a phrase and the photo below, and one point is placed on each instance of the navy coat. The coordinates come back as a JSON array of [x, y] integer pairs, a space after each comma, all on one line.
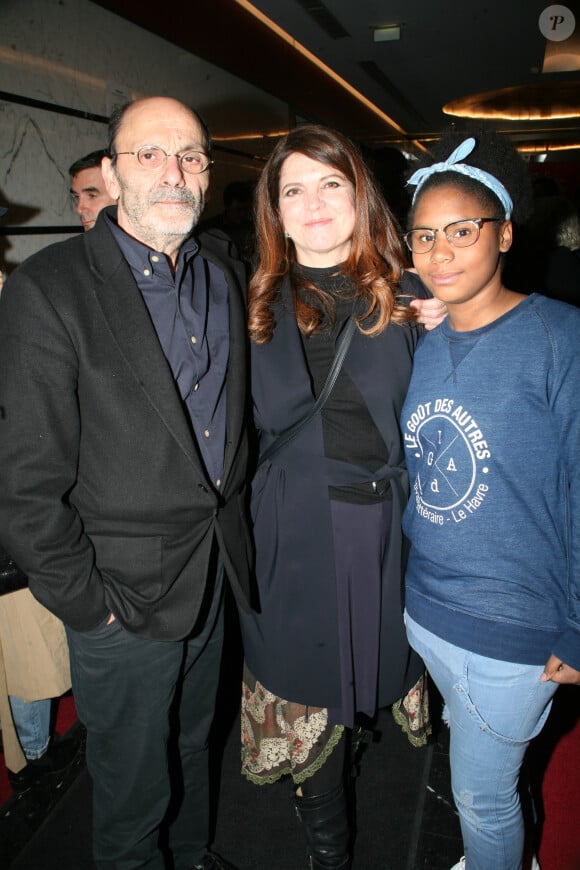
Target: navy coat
[[291, 644]]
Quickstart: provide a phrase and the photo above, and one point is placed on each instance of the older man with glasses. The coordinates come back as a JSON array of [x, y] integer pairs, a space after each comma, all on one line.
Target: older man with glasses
[[123, 466]]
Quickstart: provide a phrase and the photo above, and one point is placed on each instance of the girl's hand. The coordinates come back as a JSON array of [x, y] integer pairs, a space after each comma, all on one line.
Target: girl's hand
[[559, 672], [431, 311]]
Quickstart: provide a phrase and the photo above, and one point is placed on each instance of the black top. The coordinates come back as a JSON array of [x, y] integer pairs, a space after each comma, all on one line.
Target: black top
[[349, 431]]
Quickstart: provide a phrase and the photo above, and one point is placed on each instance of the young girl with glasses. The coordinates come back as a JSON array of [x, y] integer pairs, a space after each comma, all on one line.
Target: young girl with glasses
[[491, 426]]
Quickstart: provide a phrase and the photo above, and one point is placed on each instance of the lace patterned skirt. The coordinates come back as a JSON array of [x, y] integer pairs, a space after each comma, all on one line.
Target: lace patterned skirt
[[282, 738]]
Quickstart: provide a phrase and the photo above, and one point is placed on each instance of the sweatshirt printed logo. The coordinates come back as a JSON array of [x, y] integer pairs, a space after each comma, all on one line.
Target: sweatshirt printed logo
[[451, 450]]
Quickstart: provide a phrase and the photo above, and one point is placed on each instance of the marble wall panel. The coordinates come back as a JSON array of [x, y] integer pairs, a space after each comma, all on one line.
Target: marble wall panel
[[74, 55]]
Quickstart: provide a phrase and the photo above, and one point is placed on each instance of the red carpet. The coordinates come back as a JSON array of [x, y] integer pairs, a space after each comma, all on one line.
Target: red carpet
[[65, 717], [557, 752]]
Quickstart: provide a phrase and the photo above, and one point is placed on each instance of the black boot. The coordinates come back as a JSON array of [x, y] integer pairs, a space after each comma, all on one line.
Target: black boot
[[327, 829]]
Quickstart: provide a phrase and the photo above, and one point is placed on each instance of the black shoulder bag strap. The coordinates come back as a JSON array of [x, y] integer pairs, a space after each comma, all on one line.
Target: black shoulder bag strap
[[288, 434]]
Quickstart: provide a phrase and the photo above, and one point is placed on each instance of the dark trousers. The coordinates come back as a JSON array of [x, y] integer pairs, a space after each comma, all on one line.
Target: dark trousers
[[142, 702]]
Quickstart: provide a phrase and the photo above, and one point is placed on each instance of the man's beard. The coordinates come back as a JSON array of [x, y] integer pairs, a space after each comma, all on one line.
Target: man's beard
[[150, 226], [193, 207]]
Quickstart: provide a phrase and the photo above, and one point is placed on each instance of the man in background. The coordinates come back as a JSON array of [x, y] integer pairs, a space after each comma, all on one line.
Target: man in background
[[87, 188]]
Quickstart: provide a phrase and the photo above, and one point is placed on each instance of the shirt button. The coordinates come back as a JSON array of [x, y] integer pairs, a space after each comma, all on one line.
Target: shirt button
[[218, 483], [146, 272], [155, 258], [206, 433], [196, 388], [193, 339]]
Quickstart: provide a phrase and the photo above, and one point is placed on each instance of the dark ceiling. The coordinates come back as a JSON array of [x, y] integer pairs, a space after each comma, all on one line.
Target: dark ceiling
[[446, 52]]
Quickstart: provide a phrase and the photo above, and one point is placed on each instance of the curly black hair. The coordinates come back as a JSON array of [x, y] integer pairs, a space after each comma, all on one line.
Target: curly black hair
[[494, 153]]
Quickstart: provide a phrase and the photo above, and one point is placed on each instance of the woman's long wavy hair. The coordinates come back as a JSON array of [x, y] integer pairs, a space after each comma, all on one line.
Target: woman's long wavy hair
[[376, 259]]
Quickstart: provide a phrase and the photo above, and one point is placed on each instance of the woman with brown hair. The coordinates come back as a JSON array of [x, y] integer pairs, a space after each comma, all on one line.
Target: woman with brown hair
[[333, 338]]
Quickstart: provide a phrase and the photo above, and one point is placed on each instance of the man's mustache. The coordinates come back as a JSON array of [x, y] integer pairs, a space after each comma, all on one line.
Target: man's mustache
[[180, 195]]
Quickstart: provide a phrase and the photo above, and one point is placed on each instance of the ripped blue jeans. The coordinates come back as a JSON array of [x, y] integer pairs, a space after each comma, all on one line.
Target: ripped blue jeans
[[493, 708]]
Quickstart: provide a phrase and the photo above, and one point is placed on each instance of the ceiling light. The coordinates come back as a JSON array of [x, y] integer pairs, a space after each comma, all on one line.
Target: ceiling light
[[388, 33], [538, 102], [235, 137], [547, 147]]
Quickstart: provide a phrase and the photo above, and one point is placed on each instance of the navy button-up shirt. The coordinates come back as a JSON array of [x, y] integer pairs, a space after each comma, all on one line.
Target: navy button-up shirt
[[190, 314]]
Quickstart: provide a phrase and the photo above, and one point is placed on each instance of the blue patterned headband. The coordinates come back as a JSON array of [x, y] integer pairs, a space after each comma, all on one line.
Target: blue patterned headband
[[453, 164]]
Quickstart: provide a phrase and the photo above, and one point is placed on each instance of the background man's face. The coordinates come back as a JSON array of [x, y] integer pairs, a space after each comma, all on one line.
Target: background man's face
[[89, 195]]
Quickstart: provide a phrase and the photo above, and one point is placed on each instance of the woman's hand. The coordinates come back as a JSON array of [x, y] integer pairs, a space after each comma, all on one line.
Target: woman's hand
[[559, 672], [431, 311]]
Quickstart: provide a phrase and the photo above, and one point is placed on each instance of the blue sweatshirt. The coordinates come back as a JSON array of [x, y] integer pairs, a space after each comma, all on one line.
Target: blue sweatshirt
[[491, 426]]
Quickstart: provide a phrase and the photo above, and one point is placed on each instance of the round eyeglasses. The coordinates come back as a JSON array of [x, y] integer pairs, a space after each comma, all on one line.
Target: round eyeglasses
[[460, 234], [153, 157]]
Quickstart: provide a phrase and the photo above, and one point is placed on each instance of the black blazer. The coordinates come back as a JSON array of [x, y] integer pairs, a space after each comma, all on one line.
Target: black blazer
[[105, 503]]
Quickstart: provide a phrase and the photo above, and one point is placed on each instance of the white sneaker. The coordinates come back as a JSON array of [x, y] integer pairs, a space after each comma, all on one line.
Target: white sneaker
[[461, 864]]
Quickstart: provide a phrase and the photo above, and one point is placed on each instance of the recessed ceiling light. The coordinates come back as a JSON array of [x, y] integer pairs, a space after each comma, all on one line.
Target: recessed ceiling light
[[388, 33]]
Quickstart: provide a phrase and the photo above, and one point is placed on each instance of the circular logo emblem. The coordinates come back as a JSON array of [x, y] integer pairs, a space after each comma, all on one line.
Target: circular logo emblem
[[557, 23], [449, 464]]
